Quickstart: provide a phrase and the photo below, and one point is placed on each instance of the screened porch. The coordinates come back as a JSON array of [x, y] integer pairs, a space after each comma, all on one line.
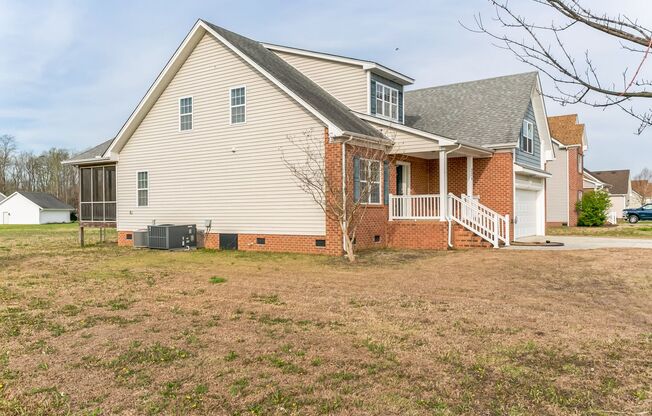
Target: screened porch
[[97, 195]]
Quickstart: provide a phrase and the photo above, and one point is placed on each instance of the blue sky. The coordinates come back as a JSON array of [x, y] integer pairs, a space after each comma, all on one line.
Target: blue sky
[[71, 72]]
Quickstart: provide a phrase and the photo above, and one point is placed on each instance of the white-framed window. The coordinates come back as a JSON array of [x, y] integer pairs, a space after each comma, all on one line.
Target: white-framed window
[[143, 189], [386, 101], [370, 181], [580, 163], [238, 99], [527, 137], [580, 195], [185, 113]]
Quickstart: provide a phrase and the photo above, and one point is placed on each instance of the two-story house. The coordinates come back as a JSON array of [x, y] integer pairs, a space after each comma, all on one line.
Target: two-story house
[[208, 145], [566, 186]]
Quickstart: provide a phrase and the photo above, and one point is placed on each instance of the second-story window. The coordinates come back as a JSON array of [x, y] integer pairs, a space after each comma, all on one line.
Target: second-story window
[[238, 105], [527, 137], [185, 113], [386, 101], [580, 164]]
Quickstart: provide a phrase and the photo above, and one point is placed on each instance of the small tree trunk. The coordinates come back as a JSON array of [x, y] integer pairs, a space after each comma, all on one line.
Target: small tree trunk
[[348, 242]]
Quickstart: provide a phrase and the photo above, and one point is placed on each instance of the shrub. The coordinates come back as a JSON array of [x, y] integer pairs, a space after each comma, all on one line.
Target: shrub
[[593, 208]]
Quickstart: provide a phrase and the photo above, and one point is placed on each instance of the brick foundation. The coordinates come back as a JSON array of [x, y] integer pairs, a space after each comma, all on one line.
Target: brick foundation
[[125, 238], [418, 235], [278, 243]]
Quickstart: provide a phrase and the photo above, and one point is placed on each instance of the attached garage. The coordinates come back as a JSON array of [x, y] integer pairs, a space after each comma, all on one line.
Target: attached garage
[[529, 209]]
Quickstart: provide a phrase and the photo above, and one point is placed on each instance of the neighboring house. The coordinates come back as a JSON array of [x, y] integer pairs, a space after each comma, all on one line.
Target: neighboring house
[[620, 190], [591, 183], [33, 208], [206, 146], [566, 186]]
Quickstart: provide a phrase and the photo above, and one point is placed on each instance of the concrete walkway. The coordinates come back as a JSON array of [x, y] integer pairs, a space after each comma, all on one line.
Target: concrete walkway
[[585, 243]]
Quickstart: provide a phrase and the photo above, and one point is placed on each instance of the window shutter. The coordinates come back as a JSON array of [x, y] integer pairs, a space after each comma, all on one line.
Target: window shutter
[[386, 182], [400, 106], [356, 179], [373, 97]]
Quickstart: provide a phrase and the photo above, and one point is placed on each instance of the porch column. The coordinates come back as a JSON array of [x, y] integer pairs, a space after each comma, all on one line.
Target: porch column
[[469, 176], [443, 185]]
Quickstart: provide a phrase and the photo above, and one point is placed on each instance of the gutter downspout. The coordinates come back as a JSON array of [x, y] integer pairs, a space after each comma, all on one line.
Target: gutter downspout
[[448, 218], [344, 191]]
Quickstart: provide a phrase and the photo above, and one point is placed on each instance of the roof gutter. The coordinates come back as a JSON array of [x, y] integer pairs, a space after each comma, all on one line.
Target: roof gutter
[[87, 161], [367, 138]]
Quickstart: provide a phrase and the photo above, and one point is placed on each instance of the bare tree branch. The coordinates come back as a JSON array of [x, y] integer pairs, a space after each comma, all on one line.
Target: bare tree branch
[[576, 81]]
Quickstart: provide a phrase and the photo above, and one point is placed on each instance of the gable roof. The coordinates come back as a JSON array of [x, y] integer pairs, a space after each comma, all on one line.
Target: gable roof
[[589, 176], [43, 200], [485, 112], [566, 130], [618, 179]]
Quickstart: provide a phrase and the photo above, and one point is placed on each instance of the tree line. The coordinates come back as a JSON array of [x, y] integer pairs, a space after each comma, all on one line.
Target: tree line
[[23, 170]]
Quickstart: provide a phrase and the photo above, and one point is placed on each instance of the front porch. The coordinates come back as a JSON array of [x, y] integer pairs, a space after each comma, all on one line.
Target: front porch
[[472, 192]]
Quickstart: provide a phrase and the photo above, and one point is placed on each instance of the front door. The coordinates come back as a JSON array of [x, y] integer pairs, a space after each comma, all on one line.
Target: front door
[[402, 178], [403, 207]]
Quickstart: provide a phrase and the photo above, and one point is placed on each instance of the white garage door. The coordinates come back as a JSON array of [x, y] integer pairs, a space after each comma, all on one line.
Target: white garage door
[[526, 213]]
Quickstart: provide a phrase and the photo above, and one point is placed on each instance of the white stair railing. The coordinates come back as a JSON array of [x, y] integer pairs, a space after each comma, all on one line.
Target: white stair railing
[[479, 219], [612, 218]]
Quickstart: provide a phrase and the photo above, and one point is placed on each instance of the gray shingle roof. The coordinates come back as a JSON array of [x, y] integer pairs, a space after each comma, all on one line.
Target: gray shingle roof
[[484, 112], [93, 152], [298, 83], [45, 201], [618, 179]]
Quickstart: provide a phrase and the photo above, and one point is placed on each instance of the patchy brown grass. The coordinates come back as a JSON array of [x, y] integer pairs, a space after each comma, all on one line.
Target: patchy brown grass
[[106, 330]]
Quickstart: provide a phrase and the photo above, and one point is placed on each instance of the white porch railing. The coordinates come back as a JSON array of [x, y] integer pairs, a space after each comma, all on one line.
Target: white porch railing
[[414, 207], [612, 218], [479, 219]]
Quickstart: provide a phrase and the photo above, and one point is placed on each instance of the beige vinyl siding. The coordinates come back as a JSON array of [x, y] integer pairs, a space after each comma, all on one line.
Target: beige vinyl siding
[[405, 142], [346, 82], [233, 175], [557, 187]]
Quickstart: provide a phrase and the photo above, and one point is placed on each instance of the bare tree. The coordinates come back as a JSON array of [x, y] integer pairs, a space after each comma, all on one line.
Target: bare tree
[[7, 150], [576, 77], [642, 185], [341, 196], [27, 171]]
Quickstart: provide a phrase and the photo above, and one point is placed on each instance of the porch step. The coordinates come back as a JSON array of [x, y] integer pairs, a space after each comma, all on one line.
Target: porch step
[[463, 238]]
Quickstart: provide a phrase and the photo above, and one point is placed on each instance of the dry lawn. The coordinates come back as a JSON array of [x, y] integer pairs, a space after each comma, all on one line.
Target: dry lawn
[[106, 330]]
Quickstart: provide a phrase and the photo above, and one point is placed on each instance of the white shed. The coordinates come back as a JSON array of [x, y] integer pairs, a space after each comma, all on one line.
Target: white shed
[[33, 208]]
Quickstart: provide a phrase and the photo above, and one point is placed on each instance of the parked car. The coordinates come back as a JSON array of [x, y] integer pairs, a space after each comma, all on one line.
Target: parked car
[[634, 215]]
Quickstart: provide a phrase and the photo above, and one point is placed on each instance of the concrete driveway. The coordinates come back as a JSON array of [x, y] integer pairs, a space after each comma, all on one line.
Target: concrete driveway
[[585, 243]]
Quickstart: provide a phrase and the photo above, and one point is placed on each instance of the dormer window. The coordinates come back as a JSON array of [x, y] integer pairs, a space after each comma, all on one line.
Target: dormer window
[[386, 101]]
